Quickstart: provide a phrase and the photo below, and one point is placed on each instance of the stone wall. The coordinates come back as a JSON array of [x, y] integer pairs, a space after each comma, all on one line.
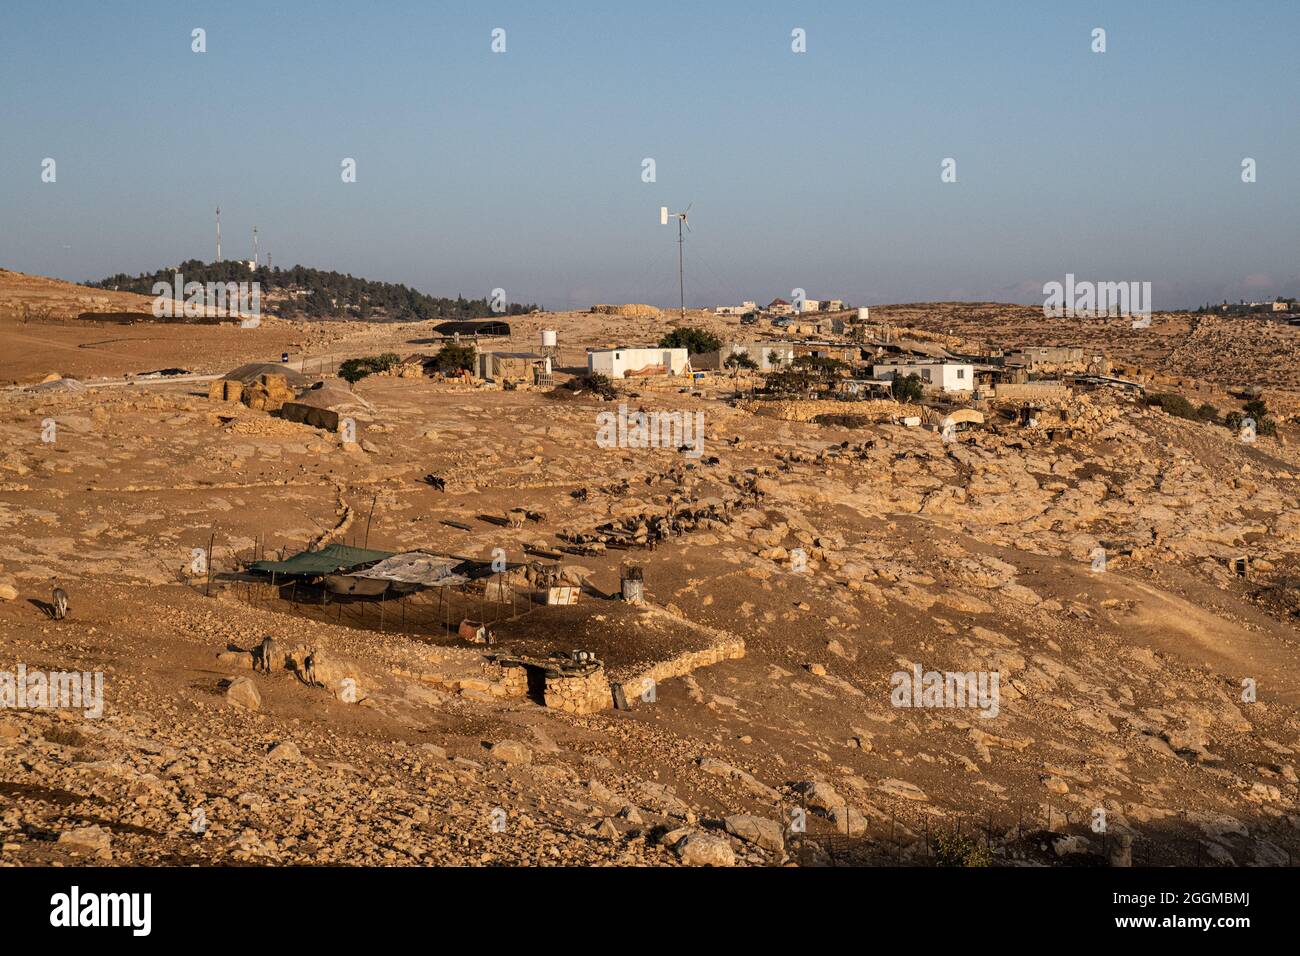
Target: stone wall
[[578, 691], [683, 664], [803, 410]]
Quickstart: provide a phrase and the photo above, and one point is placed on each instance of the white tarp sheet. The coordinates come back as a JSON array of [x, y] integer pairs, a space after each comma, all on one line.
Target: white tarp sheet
[[416, 567]]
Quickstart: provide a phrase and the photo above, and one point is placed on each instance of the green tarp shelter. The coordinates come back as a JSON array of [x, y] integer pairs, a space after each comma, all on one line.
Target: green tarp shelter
[[328, 560]]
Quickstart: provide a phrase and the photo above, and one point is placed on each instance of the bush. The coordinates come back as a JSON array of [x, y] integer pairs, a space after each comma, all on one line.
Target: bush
[[907, 388], [1207, 413], [789, 382], [824, 367], [354, 370], [1173, 404], [741, 360], [952, 850], [454, 358], [600, 384], [694, 341]]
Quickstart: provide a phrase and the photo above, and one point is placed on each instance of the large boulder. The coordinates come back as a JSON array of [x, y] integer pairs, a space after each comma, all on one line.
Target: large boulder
[[704, 849], [511, 751], [242, 692], [760, 831]]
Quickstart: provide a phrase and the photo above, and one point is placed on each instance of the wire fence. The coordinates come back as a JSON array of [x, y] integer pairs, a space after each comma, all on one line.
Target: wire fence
[[1038, 835]]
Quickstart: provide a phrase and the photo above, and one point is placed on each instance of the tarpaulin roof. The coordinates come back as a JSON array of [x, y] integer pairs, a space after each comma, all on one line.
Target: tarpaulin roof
[[416, 567], [331, 558]]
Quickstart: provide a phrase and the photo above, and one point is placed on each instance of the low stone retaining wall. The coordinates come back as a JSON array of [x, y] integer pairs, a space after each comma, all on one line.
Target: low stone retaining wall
[[804, 410]]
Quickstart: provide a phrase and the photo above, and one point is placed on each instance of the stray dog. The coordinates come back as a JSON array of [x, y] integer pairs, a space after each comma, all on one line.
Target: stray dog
[[265, 651], [60, 604], [309, 669]]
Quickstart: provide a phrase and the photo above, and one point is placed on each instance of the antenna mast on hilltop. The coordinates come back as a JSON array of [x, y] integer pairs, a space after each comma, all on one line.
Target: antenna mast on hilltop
[[681, 275], [254, 247], [218, 234]]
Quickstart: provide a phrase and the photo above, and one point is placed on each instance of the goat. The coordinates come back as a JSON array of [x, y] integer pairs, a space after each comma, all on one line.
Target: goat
[[580, 494], [439, 484]]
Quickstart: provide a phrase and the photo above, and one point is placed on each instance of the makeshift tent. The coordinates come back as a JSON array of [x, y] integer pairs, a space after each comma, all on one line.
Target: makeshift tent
[[328, 560], [400, 573], [473, 327], [250, 373]]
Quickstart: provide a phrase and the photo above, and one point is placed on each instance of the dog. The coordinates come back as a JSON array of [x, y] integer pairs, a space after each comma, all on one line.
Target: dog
[[59, 604], [309, 670]]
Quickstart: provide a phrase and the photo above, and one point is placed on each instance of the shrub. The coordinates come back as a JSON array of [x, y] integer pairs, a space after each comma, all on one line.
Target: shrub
[[953, 850], [454, 358], [1173, 404], [824, 367], [354, 370], [789, 381], [741, 360], [693, 340], [1207, 413], [600, 384], [907, 388]]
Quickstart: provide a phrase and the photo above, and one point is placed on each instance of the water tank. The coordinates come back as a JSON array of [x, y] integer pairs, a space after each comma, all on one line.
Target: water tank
[[548, 338]]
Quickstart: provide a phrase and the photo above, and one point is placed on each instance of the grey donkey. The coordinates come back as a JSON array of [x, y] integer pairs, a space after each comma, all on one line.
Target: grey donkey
[[59, 603], [265, 654]]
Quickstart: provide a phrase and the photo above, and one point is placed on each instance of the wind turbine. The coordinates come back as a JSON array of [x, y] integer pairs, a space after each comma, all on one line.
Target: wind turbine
[[681, 221]]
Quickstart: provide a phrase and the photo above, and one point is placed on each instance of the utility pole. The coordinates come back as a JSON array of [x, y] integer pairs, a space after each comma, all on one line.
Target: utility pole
[[681, 238], [218, 234], [254, 247], [681, 277]]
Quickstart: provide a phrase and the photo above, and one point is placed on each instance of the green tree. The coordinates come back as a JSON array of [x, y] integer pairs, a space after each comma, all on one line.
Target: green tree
[[741, 360], [454, 358], [907, 388], [695, 341]]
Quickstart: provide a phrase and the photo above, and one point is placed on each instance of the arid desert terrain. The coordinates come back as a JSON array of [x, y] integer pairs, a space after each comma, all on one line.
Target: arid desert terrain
[[759, 727]]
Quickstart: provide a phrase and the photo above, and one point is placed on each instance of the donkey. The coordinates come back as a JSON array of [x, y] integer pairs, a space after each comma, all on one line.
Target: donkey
[[59, 604], [265, 653]]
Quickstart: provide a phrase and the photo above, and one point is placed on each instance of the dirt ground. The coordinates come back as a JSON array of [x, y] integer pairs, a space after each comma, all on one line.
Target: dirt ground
[[1124, 690]]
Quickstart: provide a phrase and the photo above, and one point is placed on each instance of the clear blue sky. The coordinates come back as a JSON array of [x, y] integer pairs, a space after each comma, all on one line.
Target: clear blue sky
[[522, 170]]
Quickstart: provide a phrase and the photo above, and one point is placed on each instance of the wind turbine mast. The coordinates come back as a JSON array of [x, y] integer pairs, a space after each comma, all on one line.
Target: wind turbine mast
[[681, 275]]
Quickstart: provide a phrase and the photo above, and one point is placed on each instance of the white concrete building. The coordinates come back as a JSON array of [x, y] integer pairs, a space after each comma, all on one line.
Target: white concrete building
[[640, 360], [945, 376]]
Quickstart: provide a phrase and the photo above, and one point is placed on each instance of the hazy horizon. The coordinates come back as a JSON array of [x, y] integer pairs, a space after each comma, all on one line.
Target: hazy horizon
[[523, 170]]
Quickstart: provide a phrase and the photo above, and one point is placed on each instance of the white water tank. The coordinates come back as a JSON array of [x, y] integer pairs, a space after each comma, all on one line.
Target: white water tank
[[548, 338]]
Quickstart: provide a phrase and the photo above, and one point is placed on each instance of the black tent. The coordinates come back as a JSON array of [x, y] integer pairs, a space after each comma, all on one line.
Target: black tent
[[473, 327]]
